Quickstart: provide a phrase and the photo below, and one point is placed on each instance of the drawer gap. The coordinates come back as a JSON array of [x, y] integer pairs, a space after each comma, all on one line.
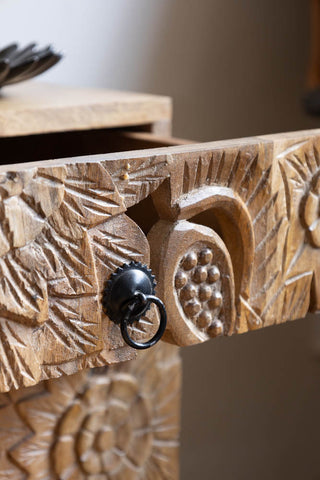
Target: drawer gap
[[34, 148]]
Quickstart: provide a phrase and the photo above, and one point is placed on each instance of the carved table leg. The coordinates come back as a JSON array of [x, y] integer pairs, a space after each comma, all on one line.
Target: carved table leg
[[114, 423]]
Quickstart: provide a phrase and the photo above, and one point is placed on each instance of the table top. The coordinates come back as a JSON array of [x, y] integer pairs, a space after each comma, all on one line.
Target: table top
[[34, 108]]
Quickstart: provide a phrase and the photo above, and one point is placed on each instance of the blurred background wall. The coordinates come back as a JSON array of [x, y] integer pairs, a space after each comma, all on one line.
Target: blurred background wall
[[251, 403]]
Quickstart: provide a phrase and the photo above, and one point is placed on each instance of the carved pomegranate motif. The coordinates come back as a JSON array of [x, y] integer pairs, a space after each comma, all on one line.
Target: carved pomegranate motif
[[195, 277], [198, 287]]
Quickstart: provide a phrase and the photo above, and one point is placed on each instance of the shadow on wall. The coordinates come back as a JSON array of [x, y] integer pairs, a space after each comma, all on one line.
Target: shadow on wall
[[250, 403], [233, 69], [250, 406]]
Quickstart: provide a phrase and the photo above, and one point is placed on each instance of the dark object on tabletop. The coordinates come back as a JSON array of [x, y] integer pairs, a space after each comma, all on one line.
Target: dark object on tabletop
[[19, 64]]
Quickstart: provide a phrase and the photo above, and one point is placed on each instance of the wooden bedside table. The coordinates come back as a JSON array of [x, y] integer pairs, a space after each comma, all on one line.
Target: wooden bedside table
[[230, 229]]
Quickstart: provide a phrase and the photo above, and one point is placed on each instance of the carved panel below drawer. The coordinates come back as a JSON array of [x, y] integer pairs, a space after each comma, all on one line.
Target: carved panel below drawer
[[118, 422]]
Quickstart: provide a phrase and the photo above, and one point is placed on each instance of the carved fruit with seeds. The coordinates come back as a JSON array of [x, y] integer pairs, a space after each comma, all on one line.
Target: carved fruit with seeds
[[198, 287], [195, 278]]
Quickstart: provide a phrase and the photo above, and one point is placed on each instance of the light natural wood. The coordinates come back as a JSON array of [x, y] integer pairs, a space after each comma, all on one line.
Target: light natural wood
[[118, 423], [33, 108], [203, 280], [63, 233], [233, 231], [261, 195]]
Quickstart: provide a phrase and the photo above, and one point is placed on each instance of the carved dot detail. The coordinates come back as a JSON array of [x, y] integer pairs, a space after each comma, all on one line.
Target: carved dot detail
[[213, 274], [215, 301], [199, 289], [204, 319], [192, 308], [216, 328], [188, 292], [205, 256], [205, 292], [200, 274], [190, 261], [181, 279]]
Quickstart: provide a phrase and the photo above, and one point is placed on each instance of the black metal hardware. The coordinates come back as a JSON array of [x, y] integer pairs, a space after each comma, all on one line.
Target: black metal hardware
[[128, 295]]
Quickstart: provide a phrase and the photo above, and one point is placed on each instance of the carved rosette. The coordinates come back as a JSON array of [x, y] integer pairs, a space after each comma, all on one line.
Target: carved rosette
[[108, 423], [114, 423]]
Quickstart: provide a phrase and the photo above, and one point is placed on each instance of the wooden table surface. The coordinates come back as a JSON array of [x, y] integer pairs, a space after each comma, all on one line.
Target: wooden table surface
[[33, 108]]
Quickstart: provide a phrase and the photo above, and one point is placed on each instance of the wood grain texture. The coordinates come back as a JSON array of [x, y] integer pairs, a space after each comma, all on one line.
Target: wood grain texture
[[34, 108], [63, 231], [114, 423], [261, 196], [234, 239]]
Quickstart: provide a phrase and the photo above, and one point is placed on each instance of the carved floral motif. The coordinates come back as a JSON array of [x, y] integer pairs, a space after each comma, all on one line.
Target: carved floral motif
[[113, 423], [107, 424]]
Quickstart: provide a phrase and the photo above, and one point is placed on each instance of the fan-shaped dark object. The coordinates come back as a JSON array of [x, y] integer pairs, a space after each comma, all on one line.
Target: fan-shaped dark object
[[19, 64]]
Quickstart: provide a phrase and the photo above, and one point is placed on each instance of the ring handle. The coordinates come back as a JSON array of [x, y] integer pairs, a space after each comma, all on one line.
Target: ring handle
[[126, 320]]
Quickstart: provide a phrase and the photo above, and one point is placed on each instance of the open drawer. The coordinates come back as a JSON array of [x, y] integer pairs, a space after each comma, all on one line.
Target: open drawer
[[230, 229]]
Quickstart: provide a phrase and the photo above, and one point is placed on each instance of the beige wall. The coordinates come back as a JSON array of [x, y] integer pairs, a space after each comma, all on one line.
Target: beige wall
[[250, 405]]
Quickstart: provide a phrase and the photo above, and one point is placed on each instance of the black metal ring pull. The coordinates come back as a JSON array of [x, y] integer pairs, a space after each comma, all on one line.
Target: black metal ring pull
[[128, 295], [126, 320]]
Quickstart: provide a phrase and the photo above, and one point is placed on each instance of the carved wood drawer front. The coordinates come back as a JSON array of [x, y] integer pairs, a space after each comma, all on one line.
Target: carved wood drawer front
[[231, 230]]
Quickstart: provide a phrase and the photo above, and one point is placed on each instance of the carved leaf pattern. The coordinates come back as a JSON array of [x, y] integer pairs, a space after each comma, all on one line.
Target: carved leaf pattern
[[18, 361], [300, 168], [117, 422], [78, 234], [114, 243], [245, 172], [49, 288], [90, 198], [266, 178], [287, 282], [296, 296], [137, 179]]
